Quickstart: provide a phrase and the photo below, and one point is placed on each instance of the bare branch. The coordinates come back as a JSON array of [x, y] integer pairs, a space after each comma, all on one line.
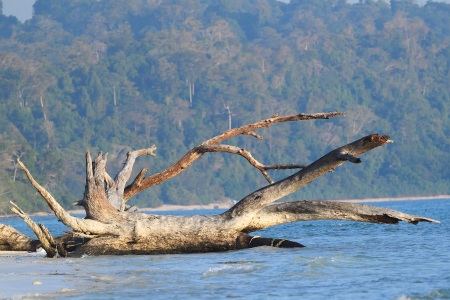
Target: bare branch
[[77, 224], [286, 212], [89, 169], [247, 155], [41, 235], [246, 209], [246, 129], [47, 234], [124, 174], [57, 247], [99, 169], [253, 134], [190, 157], [284, 167], [138, 180]]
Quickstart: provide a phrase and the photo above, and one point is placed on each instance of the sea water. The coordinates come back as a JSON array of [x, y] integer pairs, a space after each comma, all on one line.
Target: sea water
[[342, 260]]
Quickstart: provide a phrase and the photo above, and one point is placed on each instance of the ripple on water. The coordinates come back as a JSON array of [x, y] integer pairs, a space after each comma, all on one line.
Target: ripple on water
[[232, 269]]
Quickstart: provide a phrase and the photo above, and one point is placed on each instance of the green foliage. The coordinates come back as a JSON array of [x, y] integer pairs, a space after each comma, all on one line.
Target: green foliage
[[118, 75]]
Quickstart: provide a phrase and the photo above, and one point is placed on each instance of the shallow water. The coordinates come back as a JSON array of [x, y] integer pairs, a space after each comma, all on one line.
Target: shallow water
[[342, 260]]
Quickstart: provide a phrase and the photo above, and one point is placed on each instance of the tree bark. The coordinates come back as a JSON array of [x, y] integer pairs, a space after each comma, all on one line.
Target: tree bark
[[287, 212], [13, 240], [110, 227]]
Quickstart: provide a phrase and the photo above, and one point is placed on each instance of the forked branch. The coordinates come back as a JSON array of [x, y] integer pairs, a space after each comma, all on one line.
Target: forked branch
[[124, 174], [189, 158], [248, 156], [43, 235], [247, 209], [115, 188], [77, 224]]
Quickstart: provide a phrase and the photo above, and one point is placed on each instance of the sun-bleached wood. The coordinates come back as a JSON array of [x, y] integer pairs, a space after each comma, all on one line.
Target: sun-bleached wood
[[110, 227]]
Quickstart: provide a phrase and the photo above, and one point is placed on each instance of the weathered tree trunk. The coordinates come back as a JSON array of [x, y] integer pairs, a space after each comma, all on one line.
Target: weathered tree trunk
[[13, 240], [111, 227]]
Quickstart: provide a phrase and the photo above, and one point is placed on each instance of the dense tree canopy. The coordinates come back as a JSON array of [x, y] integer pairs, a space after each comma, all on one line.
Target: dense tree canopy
[[126, 74]]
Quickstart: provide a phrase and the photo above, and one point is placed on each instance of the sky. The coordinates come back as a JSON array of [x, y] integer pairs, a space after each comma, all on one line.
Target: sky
[[23, 9]]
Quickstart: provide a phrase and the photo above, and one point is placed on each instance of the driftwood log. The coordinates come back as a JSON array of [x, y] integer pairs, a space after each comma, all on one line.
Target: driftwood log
[[112, 227]]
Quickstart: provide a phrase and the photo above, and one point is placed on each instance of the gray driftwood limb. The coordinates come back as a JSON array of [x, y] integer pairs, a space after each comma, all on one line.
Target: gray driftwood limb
[[295, 211]]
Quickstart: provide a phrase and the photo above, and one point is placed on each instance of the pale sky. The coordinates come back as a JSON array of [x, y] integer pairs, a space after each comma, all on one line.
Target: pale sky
[[22, 9]]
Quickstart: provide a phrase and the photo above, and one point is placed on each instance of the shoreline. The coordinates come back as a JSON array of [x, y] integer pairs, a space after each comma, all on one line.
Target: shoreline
[[228, 204]]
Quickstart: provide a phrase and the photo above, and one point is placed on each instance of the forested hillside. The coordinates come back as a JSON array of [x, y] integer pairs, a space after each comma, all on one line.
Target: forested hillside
[[118, 75]]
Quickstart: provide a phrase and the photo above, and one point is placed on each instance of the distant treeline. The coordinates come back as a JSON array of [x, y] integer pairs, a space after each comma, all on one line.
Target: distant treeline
[[118, 75]]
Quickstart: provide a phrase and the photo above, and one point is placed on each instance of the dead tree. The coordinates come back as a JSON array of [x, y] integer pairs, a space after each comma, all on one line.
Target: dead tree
[[113, 228]]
